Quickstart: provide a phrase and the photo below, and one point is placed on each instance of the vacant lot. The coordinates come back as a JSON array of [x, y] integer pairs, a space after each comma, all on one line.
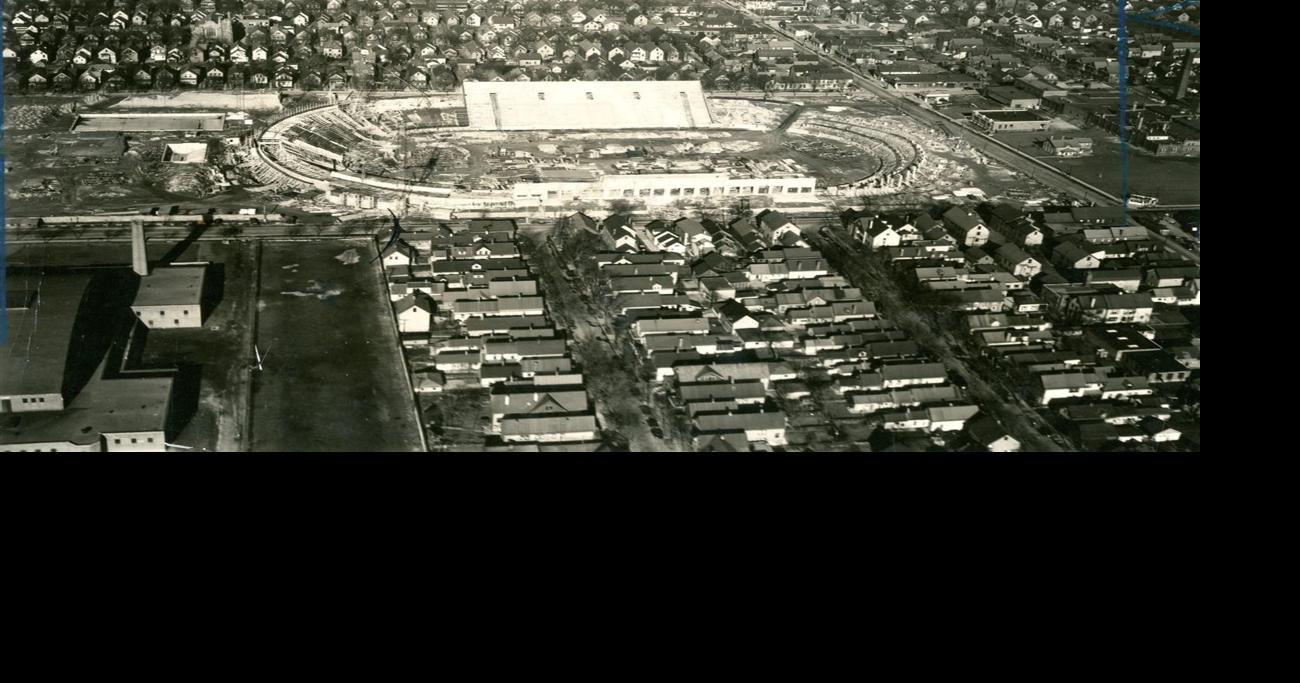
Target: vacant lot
[[333, 370], [1174, 180]]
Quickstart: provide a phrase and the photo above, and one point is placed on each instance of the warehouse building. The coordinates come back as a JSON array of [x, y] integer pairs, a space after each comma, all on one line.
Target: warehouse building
[[1009, 121]]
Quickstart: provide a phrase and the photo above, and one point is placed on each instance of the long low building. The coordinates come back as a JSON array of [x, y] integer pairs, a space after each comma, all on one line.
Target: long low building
[[1009, 120], [664, 188]]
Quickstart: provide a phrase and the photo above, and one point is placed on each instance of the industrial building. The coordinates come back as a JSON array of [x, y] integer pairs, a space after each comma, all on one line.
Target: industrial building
[[171, 298], [64, 394], [1008, 121]]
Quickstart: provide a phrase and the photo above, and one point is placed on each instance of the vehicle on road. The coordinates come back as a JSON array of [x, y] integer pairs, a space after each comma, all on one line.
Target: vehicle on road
[[1138, 201]]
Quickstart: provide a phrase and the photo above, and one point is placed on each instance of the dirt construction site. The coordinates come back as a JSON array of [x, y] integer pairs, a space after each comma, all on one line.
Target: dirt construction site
[[102, 157], [854, 150], [62, 152]]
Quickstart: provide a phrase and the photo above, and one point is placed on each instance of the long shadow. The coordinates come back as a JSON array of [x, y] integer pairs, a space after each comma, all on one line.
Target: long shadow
[[103, 315], [179, 248], [214, 288], [186, 383]]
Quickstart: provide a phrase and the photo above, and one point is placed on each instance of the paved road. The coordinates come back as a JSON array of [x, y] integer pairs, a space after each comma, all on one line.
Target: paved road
[[585, 324], [176, 233], [1045, 173], [865, 271]]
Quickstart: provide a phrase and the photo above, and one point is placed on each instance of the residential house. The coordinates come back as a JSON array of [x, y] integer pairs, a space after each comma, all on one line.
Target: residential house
[[966, 226]]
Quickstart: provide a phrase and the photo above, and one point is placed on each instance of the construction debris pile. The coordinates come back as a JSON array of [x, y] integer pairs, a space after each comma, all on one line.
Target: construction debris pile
[[29, 116], [34, 188], [185, 180], [748, 114]]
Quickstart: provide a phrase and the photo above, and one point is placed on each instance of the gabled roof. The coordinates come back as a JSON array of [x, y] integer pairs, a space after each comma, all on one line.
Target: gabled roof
[[417, 300], [401, 247], [584, 221], [733, 310], [963, 218], [727, 442], [615, 223]]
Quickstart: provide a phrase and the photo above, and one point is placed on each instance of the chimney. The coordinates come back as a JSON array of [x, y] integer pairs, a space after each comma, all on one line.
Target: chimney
[[139, 258]]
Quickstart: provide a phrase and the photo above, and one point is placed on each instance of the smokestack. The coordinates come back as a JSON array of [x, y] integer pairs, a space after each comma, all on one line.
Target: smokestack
[[139, 258], [1186, 77]]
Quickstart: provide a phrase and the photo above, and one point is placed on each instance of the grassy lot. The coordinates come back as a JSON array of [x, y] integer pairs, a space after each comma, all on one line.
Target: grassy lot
[[333, 377], [1174, 180]]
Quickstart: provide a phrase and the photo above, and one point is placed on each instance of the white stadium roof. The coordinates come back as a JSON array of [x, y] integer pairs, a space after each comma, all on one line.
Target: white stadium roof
[[586, 105]]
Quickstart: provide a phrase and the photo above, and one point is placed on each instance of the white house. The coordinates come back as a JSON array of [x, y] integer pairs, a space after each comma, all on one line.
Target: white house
[[414, 311]]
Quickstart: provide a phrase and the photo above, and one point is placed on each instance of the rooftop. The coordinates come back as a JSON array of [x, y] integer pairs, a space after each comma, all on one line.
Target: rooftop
[[33, 356], [1011, 115], [104, 406], [171, 286]]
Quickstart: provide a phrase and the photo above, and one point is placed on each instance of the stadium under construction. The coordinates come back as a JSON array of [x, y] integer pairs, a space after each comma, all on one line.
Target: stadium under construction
[[550, 146]]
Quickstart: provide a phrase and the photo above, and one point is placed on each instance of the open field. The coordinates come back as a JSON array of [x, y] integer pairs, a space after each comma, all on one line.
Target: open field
[[333, 377], [1174, 180]]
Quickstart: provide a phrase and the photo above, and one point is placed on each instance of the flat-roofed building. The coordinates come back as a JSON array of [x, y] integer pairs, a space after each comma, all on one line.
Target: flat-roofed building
[[1009, 120], [107, 415], [55, 381], [171, 297], [40, 324]]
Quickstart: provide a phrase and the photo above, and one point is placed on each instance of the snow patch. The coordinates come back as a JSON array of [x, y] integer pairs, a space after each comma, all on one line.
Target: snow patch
[[316, 290]]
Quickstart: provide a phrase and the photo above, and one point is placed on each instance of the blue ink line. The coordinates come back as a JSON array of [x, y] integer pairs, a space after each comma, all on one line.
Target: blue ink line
[[1122, 37], [397, 231], [4, 313], [1166, 24]]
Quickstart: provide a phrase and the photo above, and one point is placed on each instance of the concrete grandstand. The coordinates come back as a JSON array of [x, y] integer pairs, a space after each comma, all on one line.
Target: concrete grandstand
[[606, 105]]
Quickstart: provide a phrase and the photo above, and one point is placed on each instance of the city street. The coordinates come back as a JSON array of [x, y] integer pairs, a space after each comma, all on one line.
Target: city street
[[999, 151], [866, 271]]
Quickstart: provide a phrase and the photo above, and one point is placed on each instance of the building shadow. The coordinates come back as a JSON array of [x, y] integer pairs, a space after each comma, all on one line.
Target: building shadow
[[214, 289], [187, 380], [103, 317], [180, 247]]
